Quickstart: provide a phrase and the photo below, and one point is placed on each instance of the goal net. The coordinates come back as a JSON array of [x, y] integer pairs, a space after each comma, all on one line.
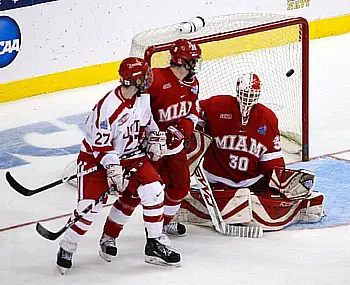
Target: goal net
[[268, 45]]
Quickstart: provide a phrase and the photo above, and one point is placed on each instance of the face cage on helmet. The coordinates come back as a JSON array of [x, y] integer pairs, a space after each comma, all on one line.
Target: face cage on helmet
[[193, 66], [145, 82], [246, 100]]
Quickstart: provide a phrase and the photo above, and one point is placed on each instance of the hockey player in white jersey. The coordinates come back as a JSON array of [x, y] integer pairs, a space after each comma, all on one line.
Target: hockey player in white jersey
[[115, 130]]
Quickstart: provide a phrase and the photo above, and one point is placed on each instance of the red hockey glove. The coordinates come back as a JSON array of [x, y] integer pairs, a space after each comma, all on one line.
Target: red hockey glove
[[173, 137]]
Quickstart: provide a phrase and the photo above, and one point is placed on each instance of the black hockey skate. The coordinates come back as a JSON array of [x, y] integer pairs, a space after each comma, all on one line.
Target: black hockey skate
[[64, 260], [160, 252], [175, 229], [108, 248]]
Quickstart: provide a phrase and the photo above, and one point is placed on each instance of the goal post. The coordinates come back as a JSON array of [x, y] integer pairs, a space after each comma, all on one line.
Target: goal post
[[266, 44]]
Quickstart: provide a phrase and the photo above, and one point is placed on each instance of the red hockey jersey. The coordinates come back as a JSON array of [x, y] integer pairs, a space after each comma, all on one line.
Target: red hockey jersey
[[172, 99], [239, 155]]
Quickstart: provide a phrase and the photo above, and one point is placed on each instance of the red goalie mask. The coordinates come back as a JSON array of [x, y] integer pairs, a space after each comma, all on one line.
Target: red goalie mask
[[135, 71]]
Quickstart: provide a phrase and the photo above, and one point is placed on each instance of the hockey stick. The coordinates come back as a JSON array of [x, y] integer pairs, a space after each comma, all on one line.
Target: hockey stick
[[215, 214], [55, 235], [29, 192]]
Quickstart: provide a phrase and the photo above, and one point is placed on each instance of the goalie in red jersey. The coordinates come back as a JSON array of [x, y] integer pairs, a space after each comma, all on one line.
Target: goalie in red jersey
[[245, 167]]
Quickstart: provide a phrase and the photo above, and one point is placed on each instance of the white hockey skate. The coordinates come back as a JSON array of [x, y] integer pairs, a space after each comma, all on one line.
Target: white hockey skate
[[175, 229], [108, 249], [64, 260]]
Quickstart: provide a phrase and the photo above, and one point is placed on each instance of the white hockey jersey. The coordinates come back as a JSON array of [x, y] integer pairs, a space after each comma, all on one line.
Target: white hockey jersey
[[114, 127]]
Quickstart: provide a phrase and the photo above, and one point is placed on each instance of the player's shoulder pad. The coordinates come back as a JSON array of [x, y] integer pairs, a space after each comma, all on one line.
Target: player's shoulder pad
[[160, 72], [109, 103], [221, 102], [266, 113]]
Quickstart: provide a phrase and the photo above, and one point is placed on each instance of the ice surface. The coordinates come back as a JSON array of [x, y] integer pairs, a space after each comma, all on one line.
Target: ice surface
[[293, 256]]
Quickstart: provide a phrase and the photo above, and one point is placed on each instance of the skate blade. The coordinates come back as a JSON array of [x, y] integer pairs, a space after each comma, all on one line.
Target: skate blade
[[105, 257], [160, 262], [62, 270]]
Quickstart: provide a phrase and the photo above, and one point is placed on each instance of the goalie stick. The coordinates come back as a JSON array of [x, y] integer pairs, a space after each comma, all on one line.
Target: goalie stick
[[215, 214]]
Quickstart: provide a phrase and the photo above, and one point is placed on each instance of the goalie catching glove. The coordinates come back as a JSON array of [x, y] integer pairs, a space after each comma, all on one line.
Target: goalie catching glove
[[294, 184], [156, 145], [115, 178]]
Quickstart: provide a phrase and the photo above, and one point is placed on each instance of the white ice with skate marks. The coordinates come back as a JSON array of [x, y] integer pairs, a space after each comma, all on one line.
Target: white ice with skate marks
[[287, 257]]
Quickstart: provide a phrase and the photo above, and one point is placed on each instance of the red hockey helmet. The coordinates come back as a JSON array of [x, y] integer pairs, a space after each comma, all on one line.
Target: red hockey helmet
[[135, 71], [248, 93], [183, 51]]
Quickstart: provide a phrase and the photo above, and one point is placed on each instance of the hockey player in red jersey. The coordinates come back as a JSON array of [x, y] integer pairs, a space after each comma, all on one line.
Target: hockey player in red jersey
[[114, 133], [174, 94], [245, 167]]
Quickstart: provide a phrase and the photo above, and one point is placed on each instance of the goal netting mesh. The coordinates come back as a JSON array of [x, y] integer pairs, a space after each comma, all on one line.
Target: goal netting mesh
[[268, 45]]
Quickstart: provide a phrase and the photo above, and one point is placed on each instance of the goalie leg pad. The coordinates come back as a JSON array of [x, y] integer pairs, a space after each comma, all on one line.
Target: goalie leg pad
[[195, 147], [276, 214], [313, 210], [234, 205]]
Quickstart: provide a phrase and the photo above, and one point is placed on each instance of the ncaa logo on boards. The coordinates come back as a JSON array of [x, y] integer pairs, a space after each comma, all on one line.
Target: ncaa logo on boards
[[10, 40]]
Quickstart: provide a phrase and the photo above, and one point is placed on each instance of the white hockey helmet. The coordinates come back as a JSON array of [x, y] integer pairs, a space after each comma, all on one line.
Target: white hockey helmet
[[248, 92]]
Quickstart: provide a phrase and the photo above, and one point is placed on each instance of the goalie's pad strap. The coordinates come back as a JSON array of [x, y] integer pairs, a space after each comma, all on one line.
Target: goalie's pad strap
[[195, 148]]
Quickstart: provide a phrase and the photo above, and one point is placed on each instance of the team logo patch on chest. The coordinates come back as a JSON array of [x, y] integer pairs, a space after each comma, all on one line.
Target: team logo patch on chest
[[262, 130], [123, 119], [225, 116], [167, 86], [104, 125]]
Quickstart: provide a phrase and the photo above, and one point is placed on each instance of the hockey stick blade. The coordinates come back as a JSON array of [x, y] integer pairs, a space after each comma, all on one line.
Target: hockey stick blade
[[54, 235], [48, 234], [215, 215], [29, 192], [243, 231]]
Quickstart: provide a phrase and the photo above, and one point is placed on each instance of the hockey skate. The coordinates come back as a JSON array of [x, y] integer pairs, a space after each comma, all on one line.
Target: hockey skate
[[159, 251], [64, 260], [108, 248], [175, 229]]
